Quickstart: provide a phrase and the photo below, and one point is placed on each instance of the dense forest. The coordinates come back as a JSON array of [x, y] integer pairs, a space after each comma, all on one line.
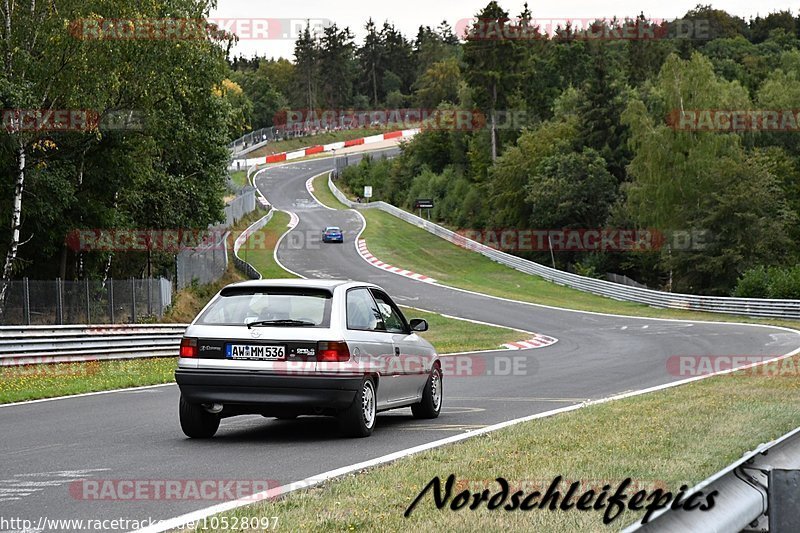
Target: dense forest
[[591, 144]]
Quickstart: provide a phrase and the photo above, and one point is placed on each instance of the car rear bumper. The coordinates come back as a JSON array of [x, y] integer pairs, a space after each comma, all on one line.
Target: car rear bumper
[[267, 393]]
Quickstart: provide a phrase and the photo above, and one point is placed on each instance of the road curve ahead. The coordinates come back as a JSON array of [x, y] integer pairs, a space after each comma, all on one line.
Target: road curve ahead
[[134, 436]]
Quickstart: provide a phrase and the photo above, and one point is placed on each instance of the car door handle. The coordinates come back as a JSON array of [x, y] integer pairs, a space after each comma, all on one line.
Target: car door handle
[[396, 350]]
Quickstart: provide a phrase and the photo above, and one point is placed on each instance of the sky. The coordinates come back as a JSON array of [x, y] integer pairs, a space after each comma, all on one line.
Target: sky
[[286, 17]]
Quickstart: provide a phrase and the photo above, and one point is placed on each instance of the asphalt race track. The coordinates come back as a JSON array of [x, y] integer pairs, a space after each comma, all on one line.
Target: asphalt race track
[[135, 435]]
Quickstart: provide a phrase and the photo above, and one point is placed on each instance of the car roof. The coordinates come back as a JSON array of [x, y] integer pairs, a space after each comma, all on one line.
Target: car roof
[[331, 227], [312, 283]]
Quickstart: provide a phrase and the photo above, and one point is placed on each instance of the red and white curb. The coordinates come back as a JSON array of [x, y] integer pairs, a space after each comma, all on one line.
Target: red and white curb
[[320, 148], [537, 341], [374, 261]]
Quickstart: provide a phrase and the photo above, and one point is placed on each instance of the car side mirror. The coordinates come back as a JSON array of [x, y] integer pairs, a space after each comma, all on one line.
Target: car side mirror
[[419, 324]]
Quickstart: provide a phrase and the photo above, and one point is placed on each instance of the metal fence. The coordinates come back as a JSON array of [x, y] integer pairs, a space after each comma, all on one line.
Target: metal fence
[[263, 136], [239, 207], [204, 264], [112, 301], [31, 345], [207, 264], [788, 309], [755, 493]]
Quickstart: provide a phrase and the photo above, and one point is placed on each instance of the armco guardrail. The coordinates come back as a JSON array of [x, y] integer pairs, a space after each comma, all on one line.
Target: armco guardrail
[[59, 344], [241, 263], [759, 492], [789, 309]]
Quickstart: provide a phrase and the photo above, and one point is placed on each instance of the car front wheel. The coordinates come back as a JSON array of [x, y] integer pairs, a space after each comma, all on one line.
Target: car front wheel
[[196, 422], [431, 404], [358, 420]]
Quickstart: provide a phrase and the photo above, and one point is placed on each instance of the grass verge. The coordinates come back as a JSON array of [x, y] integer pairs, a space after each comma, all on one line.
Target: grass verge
[[404, 245], [663, 439], [32, 382], [259, 248], [323, 193], [239, 177]]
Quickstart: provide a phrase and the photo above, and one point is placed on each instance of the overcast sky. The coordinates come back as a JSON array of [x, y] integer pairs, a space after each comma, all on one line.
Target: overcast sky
[[408, 15]]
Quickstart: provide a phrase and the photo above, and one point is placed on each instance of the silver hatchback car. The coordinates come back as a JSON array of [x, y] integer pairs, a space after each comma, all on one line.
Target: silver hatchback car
[[283, 348]]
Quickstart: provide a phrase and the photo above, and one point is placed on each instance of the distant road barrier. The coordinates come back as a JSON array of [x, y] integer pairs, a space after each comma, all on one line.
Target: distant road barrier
[[59, 344], [787, 309]]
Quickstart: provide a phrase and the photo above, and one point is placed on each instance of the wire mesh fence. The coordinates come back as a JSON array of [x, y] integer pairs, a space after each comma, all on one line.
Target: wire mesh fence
[[204, 264], [239, 207], [208, 263], [113, 301]]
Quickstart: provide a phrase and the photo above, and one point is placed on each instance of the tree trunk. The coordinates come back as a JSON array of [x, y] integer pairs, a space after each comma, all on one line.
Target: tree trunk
[[16, 219], [494, 122], [374, 84]]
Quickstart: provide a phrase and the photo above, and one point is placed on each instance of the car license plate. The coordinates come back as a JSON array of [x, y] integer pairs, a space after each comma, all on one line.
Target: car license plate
[[254, 351]]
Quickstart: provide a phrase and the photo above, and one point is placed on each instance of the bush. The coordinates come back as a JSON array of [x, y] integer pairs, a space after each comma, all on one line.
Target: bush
[[754, 283], [775, 282], [785, 283]]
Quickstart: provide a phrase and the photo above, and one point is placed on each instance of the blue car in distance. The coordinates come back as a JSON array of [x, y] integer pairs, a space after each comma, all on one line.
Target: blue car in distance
[[332, 234]]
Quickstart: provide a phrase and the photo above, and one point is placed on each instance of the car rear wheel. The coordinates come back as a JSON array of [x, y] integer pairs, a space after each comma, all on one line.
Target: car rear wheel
[[431, 404], [358, 420], [196, 422]]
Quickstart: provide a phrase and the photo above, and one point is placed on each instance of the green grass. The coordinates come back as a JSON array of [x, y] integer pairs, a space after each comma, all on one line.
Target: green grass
[[31, 382], [449, 335], [323, 193], [663, 439], [259, 248], [239, 177], [402, 244], [289, 145]]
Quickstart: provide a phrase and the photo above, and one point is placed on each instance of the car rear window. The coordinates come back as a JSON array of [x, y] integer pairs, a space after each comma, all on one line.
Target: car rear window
[[239, 306]]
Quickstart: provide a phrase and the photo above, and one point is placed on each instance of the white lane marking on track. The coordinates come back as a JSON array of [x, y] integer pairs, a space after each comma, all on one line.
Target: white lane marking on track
[[363, 251], [310, 189], [20, 486], [84, 394]]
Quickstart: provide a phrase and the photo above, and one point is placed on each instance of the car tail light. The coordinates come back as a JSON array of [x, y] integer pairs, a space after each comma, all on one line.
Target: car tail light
[[331, 352], [188, 347]]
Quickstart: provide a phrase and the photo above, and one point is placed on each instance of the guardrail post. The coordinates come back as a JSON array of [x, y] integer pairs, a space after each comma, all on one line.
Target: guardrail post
[[784, 500], [26, 302], [59, 301], [88, 311], [133, 301], [111, 300]]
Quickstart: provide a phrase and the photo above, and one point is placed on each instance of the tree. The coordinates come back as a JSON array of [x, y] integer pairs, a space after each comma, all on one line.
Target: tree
[[371, 60], [570, 190], [337, 66], [491, 64], [438, 84], [307, 69]]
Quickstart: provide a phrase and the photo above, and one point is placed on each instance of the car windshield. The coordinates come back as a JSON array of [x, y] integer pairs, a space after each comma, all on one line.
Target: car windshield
[[332, 230], [297, 307]]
